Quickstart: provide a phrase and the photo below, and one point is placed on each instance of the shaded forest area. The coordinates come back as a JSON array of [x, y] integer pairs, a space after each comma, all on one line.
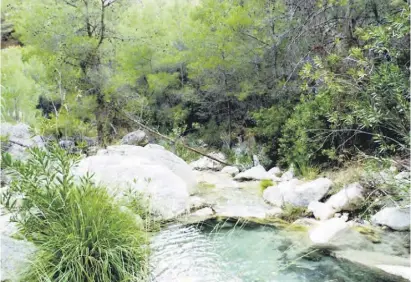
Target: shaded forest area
[[303, 82]]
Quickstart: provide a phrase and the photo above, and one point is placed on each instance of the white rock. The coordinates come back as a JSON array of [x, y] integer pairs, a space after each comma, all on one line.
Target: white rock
[[205, 212], [196, 202], [21, 136], [137, 138], [256, 161], [231, 170], [154, 146], [276, 171], [296, 193], [288, 175], [274, 212], [205, 163], [15, 257], [160, 175], [280, 194], [395, 218], [157, 156], [403, 175], [321, 211], [327, 231], [348, 199], [394, 265], [254, 173], [310, 191], [344, 216], [398, 270]]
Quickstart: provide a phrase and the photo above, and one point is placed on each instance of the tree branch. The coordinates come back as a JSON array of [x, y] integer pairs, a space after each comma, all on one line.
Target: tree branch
[[173, 141]]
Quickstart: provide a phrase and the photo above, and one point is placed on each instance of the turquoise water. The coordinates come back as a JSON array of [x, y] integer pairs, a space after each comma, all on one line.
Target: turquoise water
[[249, 254]]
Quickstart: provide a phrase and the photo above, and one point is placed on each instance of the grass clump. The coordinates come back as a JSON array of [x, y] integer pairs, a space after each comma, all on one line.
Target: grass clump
[[81, 232], [291, 213], [265, 183], [308, 172]]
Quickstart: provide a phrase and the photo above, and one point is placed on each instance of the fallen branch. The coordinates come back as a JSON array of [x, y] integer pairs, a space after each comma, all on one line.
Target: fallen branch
[[173, 141]]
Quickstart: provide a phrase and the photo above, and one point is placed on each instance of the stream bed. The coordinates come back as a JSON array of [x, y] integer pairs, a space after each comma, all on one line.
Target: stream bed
[[213, 252]]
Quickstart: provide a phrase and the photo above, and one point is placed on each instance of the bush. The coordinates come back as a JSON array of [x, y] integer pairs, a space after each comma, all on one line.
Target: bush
[[82, 234]]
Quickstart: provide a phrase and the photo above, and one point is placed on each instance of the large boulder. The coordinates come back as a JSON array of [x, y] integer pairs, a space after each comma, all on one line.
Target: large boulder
[[254, 173], [279, 195], [296, 193], [157, 173], [395, 218], [328, 231], [347, 199], [15, 254], [205, 163], [20, 138], [137, 138]]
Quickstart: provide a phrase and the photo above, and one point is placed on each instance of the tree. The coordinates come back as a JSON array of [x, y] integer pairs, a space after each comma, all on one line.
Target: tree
[[76, 40]]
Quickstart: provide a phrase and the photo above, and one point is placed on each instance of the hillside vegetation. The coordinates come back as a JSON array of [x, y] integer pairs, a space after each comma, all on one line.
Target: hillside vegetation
[[309, 83]]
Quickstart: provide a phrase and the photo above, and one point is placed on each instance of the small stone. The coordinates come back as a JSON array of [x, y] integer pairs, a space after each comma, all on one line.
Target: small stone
[[255, 173], [231, 170], [204, 212], [345, 216], [321, 211], [137, 138]]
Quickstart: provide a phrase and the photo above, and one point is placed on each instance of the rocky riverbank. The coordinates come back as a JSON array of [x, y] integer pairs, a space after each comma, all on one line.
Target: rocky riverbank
[[315, 214]]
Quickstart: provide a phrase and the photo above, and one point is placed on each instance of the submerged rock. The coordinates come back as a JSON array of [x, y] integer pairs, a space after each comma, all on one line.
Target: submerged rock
[[159, 174], [254, 173], [395, 218], [390, 268]]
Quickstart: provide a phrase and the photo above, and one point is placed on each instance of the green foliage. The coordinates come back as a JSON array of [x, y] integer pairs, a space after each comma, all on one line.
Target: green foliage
[[292, 213], [220, 72], [82, 233], [20, 86], [308, 172], [265, 183], [361, 104]]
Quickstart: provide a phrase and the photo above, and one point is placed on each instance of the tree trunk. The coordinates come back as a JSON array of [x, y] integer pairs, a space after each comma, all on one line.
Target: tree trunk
[[100, 117]]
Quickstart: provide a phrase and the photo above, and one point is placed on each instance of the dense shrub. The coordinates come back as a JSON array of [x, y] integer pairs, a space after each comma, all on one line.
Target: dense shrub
[[82, 233]]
